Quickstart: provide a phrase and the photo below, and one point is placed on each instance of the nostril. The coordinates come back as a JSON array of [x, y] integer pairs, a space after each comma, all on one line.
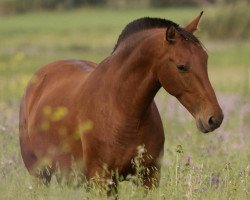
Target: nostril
[[212, 121]]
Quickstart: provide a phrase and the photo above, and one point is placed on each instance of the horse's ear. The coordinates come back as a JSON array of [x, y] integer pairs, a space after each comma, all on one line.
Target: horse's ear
[[191, 27], [170, 34]]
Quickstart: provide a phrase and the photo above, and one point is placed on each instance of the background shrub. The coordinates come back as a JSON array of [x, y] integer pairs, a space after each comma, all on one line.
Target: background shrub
[[13, 6], [226, 22]]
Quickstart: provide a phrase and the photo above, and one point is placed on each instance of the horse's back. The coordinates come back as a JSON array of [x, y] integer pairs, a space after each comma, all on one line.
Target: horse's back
[[50, 97], [57, 79], [56, 84]]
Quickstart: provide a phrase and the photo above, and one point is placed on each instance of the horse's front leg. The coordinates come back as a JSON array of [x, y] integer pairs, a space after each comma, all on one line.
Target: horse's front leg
[[104, 179], [111, 187], [151, 178]]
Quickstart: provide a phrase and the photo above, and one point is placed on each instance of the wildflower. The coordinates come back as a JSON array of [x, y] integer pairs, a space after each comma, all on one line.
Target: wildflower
[[110, 182], [215, 180], [188, 162], [10, 162], [2, 128], [248, 168], [179, 149], [141, 149], [228, 166]]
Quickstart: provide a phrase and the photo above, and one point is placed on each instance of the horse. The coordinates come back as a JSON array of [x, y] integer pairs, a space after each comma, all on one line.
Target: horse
[[95, 115]]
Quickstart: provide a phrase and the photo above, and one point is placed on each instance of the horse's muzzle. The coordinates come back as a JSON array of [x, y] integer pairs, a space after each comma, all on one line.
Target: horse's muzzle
[[213, 122]]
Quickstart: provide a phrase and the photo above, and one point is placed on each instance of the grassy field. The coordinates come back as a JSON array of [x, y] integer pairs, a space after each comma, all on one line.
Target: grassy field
[[212, 166]]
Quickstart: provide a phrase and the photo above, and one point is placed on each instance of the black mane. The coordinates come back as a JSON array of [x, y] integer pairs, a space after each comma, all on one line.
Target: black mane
[[150, 23]]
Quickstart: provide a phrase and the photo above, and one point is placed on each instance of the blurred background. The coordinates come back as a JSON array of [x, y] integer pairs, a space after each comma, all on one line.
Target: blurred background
[[20, 6], [36, 32]]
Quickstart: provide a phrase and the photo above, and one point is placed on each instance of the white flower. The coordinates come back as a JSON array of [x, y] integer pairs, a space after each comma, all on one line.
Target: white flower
[[141, 149], [110, 182], [2, 128]]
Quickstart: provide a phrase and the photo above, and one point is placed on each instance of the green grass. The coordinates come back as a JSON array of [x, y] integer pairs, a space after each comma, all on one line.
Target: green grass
[[212, 166]]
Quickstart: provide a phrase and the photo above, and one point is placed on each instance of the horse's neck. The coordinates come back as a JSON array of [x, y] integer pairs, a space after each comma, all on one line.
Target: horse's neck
[[136, 86], [127, 83]]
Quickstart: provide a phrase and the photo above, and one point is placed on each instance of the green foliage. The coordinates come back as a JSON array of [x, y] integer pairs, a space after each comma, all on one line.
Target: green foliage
[[17, 6], [160, 3], [13, 6]]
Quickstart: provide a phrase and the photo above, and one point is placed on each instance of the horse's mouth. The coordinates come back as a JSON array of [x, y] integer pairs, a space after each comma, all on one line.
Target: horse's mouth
[[203, 127]]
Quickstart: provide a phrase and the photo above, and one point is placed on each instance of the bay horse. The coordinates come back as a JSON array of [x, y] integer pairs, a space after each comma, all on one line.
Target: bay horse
[[77, 111]]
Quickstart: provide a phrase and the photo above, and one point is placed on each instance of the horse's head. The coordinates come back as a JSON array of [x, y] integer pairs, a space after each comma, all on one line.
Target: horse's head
[[183, 73]]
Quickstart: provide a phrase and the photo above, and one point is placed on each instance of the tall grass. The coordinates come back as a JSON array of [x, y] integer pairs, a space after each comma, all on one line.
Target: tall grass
[[228, 22]]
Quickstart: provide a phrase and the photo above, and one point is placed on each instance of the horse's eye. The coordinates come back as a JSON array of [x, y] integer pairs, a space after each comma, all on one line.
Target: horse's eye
[[183, 68]]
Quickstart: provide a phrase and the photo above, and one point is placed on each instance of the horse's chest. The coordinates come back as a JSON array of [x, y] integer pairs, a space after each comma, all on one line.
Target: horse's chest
[[144, 145]]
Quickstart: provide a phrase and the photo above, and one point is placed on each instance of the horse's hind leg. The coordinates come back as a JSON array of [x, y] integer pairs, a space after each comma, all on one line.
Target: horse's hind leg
[[44, 175], [31, 162]]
